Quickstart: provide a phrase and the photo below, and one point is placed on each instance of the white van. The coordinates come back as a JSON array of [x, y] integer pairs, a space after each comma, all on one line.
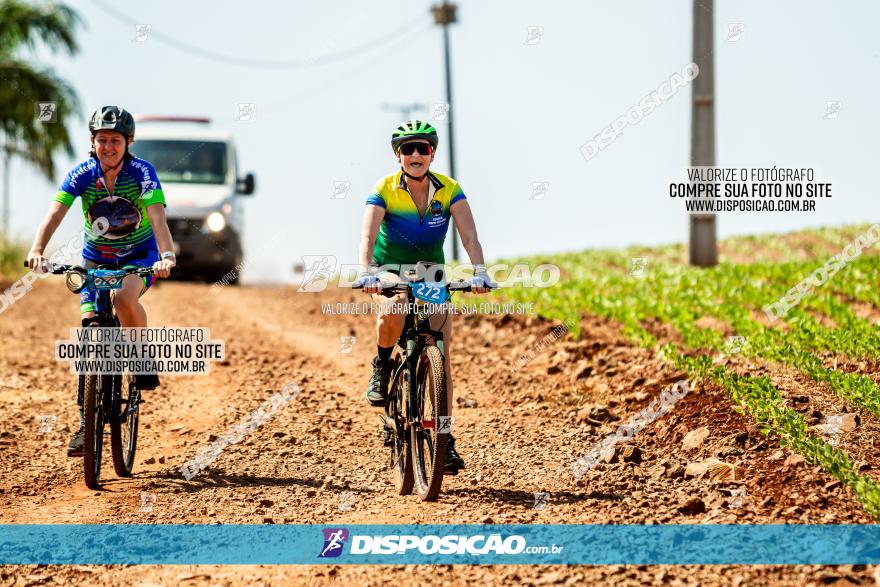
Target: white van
[[199, 173]]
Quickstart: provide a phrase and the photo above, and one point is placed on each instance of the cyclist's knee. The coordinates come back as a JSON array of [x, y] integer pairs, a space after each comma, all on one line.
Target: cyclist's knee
[[390, 325], [130, 291], [125, 301], [443, 321], [389, 320], [392, 309]]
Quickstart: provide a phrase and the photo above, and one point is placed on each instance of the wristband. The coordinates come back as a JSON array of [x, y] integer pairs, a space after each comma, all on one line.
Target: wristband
[[169, 255]]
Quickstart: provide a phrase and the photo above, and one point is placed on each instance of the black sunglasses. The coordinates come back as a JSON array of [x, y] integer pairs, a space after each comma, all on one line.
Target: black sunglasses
[[410, 148]]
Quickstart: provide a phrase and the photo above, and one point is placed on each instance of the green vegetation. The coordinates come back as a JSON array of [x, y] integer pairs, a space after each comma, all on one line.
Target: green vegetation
[[701, 308], [26, 27], [759, 397], [12, 255], [36, 105]]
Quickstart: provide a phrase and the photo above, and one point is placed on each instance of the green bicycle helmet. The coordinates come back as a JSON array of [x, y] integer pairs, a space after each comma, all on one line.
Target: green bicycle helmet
[[414, 129]]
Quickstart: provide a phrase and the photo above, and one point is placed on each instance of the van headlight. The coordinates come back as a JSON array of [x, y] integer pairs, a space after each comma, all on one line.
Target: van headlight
[[216, 222]]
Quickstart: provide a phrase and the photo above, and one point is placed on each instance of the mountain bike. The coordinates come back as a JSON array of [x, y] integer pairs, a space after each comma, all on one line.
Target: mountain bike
[[107, 400], [416, 422]]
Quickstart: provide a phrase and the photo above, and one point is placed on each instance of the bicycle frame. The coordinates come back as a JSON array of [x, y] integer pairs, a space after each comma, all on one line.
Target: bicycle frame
[[105, 316], [416, 331], [100, 395], [416, 433], [102, 281]]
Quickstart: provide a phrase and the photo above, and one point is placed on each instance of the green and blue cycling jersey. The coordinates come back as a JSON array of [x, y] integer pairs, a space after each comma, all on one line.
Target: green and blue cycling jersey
[[137, 187], [138, 184], [406, 237]]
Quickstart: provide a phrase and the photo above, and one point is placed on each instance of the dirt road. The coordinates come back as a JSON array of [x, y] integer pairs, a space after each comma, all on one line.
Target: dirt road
[[320, 459]]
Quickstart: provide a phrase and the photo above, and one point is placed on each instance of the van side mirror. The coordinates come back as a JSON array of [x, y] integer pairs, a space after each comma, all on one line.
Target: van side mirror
[[245, 186]]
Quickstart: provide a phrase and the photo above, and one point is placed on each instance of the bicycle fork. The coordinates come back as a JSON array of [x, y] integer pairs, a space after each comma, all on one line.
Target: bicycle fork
[[413, 407], [414, 395]]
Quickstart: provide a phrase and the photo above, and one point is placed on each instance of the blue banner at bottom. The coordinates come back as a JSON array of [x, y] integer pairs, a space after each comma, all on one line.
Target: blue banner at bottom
[[439, 544]]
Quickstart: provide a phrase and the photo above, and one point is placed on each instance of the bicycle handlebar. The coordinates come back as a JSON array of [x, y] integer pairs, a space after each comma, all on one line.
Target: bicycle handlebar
[[60, 269], [389, 289]]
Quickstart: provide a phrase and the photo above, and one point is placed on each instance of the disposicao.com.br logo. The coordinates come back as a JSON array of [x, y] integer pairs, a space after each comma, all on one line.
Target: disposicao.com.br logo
[[334, 541], [394, 544]]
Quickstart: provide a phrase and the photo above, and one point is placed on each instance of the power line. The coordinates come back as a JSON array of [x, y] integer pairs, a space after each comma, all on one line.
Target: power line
[[349, 74], [265, 63]]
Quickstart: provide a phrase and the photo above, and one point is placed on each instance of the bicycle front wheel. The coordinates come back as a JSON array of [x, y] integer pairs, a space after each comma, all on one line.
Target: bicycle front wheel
[[93, 410], [428, 435], [124, 425], [395, 413]]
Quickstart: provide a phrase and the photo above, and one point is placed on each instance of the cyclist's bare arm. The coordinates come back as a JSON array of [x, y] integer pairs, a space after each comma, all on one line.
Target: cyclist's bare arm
[[156, 214], [467, 230], [373, 216], [50, 223]]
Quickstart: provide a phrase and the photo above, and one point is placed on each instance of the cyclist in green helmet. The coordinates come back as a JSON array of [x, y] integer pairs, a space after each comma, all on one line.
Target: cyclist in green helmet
[[405, 222]]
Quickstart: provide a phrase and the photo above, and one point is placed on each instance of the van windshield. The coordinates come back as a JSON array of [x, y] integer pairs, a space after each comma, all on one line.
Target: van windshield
[[185, 161]]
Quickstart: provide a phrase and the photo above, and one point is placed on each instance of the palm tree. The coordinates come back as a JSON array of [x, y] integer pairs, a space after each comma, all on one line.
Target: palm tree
[[24, 86]]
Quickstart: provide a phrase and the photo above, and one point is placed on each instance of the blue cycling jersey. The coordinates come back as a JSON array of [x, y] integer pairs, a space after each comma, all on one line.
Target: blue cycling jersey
[[119, 218]]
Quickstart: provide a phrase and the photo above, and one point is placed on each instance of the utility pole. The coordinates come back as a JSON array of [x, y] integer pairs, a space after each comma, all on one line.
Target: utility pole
[[7, 169], [703, 234], [404, 109], [444, 15]]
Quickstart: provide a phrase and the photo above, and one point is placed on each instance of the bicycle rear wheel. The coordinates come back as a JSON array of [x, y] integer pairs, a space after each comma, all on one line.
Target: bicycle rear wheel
[[93, 410], [124, 425], [428, 446], [395, 410]]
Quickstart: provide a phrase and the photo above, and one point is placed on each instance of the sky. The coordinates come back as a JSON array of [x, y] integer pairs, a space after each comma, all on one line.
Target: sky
[[524, 103]]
